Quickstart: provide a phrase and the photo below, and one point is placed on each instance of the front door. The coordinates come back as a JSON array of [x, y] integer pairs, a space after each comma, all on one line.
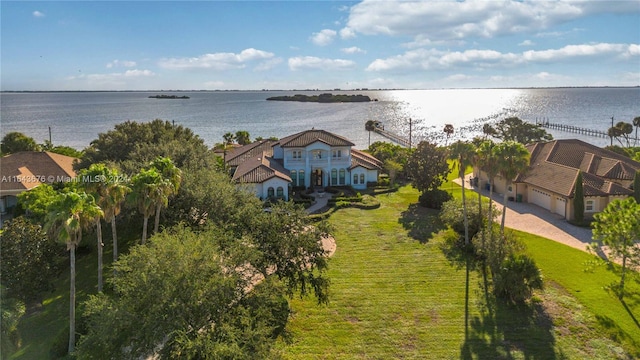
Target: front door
[[317, 177]]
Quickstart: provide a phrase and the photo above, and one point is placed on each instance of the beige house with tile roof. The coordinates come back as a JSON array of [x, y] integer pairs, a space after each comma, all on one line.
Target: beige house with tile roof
[[551, 177], [25, 170], [312, 158]]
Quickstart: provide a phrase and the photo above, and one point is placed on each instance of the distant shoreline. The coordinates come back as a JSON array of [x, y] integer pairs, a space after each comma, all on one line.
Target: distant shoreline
[[324, 98], [317, 90]]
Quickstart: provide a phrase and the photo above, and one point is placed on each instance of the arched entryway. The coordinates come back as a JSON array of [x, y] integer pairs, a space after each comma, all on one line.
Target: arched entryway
[[317, 178]]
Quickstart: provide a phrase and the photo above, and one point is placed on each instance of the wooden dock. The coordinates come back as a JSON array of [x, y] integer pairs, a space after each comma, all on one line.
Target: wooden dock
[[392, 136], [574, 129]]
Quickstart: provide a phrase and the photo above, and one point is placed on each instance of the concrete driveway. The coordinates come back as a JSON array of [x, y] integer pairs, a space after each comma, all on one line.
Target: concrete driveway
[[536, 220]]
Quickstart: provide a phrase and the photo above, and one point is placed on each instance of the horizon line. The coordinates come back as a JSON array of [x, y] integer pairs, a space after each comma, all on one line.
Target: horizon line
[[334, 89]]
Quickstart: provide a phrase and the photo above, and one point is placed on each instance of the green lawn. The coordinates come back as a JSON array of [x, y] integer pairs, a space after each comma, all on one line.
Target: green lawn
[[395, 295]]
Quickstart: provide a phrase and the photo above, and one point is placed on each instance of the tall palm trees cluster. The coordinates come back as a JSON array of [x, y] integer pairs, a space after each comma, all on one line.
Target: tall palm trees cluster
[[514, 274], [99, 193], [507, 159]]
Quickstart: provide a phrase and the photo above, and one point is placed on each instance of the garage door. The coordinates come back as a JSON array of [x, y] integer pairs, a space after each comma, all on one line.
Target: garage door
[[541, 198], [560, 206]]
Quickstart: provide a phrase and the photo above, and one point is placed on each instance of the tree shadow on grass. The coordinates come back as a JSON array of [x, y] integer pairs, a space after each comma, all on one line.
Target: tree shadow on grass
[[615, 332], [507, 331], [502, 330], [422, 223]]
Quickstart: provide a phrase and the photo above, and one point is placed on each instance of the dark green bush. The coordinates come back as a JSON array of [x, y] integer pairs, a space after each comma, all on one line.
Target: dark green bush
[[452, 215], [434, 199], [517, 278]]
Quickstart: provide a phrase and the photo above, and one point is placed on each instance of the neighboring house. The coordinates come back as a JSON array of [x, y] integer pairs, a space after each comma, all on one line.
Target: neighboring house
[[551, 178], [312, 158], [25, 170]]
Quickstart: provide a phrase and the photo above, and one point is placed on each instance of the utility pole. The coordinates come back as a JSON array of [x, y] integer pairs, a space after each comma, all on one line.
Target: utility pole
[[409, 133], [50, 136], [611, 132]]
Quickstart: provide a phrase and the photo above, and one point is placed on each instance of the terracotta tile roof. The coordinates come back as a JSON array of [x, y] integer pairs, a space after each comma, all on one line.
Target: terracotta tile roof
[[308, 137], [27, 169], [555, 166], [238, 155], [259, 169], [367, 161]]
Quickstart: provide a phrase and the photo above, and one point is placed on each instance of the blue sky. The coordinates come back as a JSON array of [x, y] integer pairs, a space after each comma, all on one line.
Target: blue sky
[[244, 45]]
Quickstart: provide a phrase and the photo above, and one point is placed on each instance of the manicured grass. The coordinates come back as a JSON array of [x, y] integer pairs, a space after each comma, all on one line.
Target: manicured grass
[[395, 295], [574, 271]]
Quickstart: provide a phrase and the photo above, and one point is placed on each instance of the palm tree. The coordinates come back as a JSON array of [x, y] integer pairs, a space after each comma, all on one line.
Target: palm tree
[[109, 189], [636, 123], [462, 152], [448, 129], [66, 215], [172, 177], [243, 137], [487, 162], [370, 126], [487, 130], [146, 189], [91, 182], [512, 159]]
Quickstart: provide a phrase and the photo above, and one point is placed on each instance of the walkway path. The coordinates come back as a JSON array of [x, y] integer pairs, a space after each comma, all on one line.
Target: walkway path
[[538, 221], [321, 201]]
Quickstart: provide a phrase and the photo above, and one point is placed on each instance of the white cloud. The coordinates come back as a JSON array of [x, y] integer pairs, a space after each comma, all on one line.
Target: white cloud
[[268, 64], [459, 77], [116, 76], [138, 73], [353, 50], [38, 14], [312, 62], [451, 20], [216, 61], [324, 37], [347, 33], [120, 63], [575, 51], [214, 85], [126, 80], [526, 43], [426, 59], [543, 75]]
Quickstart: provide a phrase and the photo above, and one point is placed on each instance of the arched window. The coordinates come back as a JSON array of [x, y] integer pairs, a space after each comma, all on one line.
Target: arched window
[[280, 192], [355, 178], [361, 178], [301, 178], [334, 177], [270, 192], [342, 176], [294, 177]]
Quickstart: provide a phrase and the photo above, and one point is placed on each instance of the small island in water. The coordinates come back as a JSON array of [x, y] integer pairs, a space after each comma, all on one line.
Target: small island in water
[[168, 97], [323, 98]]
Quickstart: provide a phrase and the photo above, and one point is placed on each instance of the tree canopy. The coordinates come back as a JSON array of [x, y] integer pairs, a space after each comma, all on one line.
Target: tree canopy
[[428, 166], [30, 260], [16, 141], [179, 297], [618, 227], [132, 145], [193, 275], [515, 129]]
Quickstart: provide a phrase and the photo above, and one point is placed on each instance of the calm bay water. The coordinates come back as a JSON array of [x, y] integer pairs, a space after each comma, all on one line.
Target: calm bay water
[[76, 118]]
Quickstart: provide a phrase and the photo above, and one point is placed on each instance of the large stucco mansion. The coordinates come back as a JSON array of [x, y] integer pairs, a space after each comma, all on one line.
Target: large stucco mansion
[[312, 158]]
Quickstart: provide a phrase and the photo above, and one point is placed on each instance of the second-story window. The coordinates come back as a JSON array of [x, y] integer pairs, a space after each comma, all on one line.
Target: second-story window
[[297, 154], [337, 153], [317, 155]]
